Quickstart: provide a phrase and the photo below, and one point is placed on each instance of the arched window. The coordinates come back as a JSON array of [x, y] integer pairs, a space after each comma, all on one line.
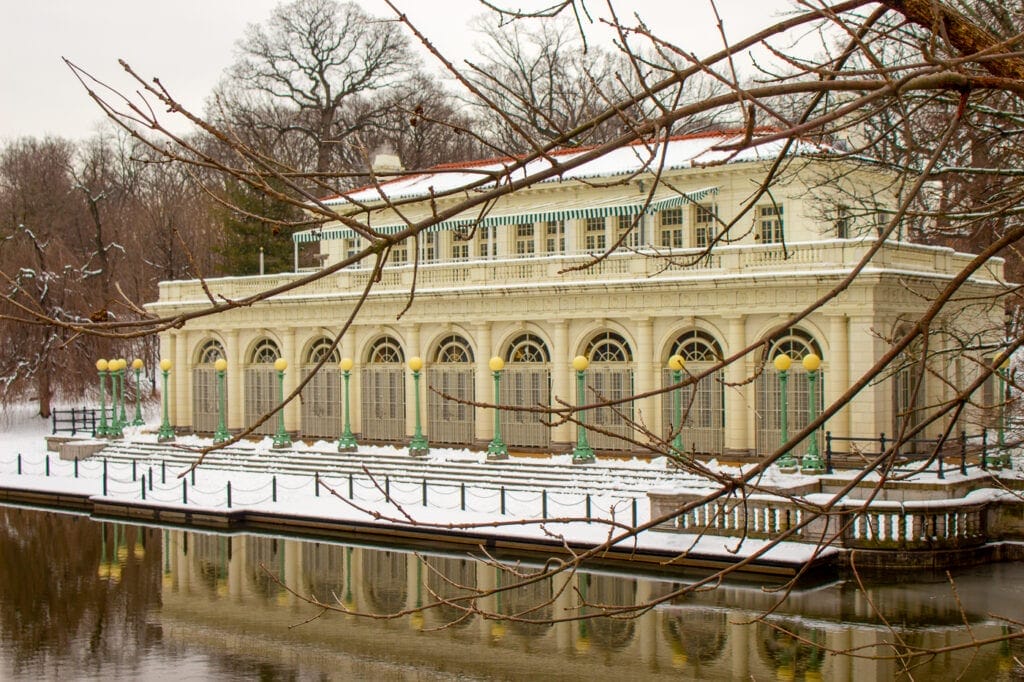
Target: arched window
[[386, 350], [265, 352], [320, 349], [453, 349], [796, 343], [609, 347], [696, 346], [528, 348], [210, 352]]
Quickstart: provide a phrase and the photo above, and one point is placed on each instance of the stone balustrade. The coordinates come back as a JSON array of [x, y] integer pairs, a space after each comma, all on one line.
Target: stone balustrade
[[981, 516], [799, 259]]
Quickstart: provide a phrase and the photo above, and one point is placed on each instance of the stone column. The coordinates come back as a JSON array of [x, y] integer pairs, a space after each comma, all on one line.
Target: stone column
[[837, 375], [235, 381], [181, 378], [235, 575], [645, 409], [347, 349], [484, 350], [291, 353], [561, 385], [739, 399], [410, 387]]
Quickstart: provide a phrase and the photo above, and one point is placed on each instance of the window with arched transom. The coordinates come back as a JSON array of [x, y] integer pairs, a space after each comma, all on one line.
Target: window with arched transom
[[453, 349], [386, 351], [210, 352], [264, 352], [528, 348], [321, 349], [795, 343], [609, 347], [697, 346]]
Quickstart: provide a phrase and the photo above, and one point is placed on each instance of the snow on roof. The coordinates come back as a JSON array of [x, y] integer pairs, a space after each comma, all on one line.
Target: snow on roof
[[684, 151]]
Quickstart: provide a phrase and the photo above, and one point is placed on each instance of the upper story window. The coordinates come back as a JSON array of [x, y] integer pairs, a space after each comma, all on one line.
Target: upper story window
[[704, 225], [844, 221], [554, 236], [524, 239], [595, 237], [429, 250], [630, 224], [399, 254], [487, 241], [671, 232], [770, 223]]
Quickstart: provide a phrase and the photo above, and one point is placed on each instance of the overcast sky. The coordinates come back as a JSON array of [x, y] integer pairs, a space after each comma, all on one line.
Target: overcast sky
[[189, 43]]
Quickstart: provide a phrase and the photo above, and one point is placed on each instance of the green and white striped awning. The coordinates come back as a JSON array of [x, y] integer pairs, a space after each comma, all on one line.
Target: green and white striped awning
[[556, 210]]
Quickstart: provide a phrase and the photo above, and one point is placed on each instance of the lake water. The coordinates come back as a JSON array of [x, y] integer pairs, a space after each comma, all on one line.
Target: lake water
[[87, 600]]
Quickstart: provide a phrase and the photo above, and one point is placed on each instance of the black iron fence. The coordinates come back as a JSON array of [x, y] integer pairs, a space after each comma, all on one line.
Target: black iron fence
[[75, 421], [914, 452]]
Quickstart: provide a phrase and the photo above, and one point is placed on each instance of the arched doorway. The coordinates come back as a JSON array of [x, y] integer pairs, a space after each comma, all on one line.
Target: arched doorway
[[797, 344], [609, 378], [321, 398], [205, 415], [701, 405], [382, 394], [451, 373], [261, 386], [526, 382]]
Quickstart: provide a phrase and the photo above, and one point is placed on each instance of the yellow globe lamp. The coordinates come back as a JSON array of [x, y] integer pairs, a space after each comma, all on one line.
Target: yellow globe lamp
[[102, 365], [122, 363], [137, 363], [280, 364], [165, 365], [676, 363], [580, 363], [346, 364], [811, 362], [496, 364], [416, 363], [221, 365], [782, 362]]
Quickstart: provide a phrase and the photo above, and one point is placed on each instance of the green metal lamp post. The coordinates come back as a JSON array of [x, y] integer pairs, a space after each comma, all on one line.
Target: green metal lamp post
[[221, 434], [811, 462], [166, 433], [496, 449], [101, 369], [116, 429], [281, 439], [418, 446], [122, 373], [782, 364], [137, 366], [1003, 400], [347, 442], [582, 453], [676, 363]]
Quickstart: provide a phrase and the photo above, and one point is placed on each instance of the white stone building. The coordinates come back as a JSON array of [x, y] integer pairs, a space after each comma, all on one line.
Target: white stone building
[[517, 278]]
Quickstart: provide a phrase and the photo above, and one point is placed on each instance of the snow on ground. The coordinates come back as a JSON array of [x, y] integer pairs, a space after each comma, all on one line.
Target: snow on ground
[[362, 499]]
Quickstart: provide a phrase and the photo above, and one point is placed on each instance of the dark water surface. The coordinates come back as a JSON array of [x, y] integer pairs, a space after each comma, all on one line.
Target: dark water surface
[[85, 600]]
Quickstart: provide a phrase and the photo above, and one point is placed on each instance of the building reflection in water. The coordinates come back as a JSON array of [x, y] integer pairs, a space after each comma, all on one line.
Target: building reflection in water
[[713, 635], [76, 594]]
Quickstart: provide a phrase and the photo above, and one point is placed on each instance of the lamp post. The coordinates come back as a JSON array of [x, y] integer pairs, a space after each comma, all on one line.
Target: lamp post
[[137, 366], [676, 363], [347, 442], [166, 433], [281, 439], [101, 370], [582, 453], [1003, 400], [221, 434], [116, 429], [122, 367], [811, 462], [497, 449], [782, 364], [418, 446]]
